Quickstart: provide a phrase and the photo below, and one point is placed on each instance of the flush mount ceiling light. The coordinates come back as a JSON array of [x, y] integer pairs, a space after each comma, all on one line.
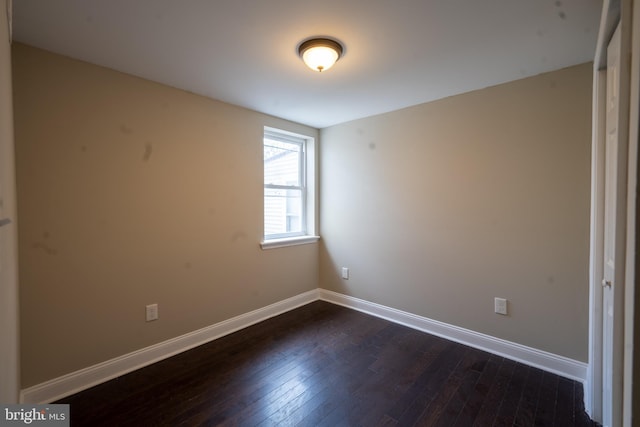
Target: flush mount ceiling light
[[320, 53]]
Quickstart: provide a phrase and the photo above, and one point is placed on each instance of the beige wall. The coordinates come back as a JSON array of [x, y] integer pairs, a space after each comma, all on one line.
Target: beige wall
[[9, 379], [133, 193], [439, 208]]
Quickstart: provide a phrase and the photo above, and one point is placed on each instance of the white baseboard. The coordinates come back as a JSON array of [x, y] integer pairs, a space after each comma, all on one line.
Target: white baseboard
[[559, 365], [83, 379], [74, 382]]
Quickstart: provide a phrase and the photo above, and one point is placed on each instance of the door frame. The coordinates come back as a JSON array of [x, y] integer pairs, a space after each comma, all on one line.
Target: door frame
[[631, 402], [614, 12], [9, 332]]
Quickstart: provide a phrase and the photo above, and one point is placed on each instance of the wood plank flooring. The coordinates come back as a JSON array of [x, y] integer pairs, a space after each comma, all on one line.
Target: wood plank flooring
[[326, 365]]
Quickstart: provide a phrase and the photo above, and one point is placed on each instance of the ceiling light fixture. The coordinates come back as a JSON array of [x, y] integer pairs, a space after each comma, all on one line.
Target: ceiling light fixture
[[320, 54]]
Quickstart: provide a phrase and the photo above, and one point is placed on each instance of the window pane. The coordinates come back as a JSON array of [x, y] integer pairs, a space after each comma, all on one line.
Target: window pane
[[282, 211], [282, 162]]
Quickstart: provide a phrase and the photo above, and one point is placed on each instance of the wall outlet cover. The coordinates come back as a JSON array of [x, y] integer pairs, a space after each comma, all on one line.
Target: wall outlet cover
[[152, 312], [500, 306]]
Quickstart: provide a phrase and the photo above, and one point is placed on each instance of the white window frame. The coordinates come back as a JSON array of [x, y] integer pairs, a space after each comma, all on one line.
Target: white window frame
[[307, 186]]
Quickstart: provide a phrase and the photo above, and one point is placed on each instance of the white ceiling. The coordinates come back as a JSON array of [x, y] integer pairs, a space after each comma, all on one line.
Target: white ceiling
[[397, 52]]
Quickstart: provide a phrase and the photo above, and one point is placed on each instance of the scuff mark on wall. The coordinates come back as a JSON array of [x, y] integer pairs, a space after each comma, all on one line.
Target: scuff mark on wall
[[47, 249], [125, 129], [148, 149], [238, 235], [561, 13]]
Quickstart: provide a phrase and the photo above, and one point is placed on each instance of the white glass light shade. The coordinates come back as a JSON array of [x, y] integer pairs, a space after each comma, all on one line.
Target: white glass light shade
[[320, 54], [320, 58]]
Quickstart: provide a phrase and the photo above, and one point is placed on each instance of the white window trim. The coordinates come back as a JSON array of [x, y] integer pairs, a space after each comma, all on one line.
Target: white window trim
[[310, 227], [289, 241]]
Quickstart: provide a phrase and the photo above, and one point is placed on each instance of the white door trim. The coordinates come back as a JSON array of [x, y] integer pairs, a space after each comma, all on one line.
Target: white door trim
[[632, 184], [615, 238], [614, 11], [593, 385]]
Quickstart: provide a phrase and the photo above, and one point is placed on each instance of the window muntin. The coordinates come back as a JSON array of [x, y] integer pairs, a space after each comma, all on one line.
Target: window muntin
[[284, 186]]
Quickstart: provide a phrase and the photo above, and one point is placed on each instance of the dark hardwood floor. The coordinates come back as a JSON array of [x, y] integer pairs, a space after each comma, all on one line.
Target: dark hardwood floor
[[326, 365]]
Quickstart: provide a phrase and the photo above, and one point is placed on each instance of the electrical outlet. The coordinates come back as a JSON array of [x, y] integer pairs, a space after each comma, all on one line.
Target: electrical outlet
[[345, 273], [500, 305], [152, 312]]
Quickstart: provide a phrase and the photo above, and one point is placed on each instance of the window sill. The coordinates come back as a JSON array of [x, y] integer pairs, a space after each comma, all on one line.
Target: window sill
[[290, 241]]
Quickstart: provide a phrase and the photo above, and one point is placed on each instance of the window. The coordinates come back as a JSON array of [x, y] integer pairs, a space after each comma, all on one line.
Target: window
[[288, 203]]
